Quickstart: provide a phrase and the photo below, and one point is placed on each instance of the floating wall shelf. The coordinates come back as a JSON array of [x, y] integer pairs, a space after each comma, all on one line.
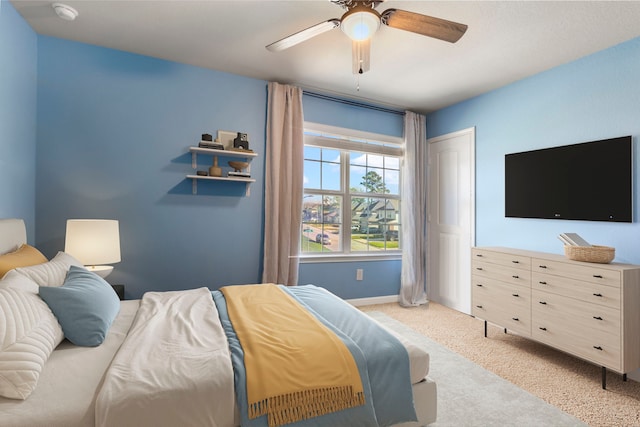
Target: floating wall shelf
[[222, 153]]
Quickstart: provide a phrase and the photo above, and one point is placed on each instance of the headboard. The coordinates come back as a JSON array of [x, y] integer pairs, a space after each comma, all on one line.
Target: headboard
[[13, 233]]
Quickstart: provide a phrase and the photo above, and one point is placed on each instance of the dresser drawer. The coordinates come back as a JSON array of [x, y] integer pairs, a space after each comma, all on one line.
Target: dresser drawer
[[501, 294], [506, 317], [506, 305], [503, 273], [599, 275], [571, 327], [577, 317], [603, 350], [501, 258], [608, 296]]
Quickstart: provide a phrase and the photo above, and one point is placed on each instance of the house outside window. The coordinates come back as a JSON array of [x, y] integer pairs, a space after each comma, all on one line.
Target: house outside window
[[352, 201]]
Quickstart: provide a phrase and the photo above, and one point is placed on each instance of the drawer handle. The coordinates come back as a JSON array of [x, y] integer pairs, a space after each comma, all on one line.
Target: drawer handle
[[597, 295], [542, 302], [597, 317], [542, 329], [542, 283], [597, 276], [479, 255], [597, 347], [542, 266], [516, 277], [516, 295], [516, 262], [479, 268], [478, 306], [516, 319], [478, 285]]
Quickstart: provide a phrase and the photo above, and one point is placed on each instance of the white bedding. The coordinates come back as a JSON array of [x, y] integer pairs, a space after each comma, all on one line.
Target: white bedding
[[69, 383], [67, 387], [173, 369]]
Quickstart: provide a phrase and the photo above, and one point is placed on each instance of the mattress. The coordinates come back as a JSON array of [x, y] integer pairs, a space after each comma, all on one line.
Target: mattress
[[418, 358]]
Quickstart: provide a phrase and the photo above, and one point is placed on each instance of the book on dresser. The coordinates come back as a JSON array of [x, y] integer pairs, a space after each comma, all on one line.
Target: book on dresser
[[573, 239], [588, 310]]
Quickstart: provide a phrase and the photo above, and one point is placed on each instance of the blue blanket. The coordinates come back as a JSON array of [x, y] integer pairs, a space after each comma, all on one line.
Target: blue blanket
[[382, 360]]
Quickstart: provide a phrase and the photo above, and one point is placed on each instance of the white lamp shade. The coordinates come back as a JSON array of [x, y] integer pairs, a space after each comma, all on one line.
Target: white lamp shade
[[93, 241], [360, 24]]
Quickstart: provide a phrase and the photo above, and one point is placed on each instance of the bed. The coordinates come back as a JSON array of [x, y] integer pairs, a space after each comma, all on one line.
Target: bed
[[95, 385]]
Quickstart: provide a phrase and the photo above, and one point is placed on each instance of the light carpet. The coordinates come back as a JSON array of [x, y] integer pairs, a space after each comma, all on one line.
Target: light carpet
[[559, 379], [471, 396]]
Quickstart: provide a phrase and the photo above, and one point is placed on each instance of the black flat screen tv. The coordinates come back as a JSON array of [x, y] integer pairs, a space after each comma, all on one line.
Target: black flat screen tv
[[591, 181]]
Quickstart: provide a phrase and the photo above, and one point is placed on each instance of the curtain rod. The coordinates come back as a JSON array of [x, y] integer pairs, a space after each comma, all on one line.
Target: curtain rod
[[353, 103]]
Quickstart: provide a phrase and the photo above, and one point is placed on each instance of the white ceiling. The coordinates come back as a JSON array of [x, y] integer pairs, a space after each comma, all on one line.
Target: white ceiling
[[506, 41]]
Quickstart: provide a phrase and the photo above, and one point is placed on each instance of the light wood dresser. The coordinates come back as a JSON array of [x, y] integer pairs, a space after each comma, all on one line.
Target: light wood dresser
[[591, 311]]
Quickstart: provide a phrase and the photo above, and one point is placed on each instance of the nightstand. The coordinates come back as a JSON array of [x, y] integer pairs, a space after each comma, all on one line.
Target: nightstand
[[119, 289]]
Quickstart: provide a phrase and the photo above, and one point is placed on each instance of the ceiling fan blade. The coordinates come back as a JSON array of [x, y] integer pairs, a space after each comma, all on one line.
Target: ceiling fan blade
[[303, 35], [422, 24]]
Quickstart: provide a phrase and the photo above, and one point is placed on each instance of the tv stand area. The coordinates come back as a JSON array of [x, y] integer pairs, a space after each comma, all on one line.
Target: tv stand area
[[587, 310]]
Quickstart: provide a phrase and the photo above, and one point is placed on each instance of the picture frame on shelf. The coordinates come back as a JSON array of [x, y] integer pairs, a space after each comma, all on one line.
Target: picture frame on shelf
[[226, 138]]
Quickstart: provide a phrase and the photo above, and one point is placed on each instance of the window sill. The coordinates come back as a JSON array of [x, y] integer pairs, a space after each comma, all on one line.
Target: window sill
[[309, 259]]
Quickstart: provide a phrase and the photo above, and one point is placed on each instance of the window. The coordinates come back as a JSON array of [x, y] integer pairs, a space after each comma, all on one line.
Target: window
[[351, 203]]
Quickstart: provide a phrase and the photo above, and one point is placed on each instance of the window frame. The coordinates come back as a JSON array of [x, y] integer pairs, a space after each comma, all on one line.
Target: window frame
[[347, 141]]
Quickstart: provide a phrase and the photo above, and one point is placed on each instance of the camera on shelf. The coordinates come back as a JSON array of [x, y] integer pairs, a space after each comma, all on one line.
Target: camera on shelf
[[241, 141]]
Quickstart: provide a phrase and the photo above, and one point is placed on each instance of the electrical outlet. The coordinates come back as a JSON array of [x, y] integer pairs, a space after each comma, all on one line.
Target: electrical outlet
[[359, 274]]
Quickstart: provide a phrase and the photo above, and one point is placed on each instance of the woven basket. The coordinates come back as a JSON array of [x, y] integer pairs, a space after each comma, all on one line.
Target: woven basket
[[599, 254]]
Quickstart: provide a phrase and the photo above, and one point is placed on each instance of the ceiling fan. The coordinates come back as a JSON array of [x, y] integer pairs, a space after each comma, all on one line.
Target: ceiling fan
[[361, 21]]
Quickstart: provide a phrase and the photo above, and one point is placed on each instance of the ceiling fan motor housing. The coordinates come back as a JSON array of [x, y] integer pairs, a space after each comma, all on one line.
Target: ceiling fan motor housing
[[350, 4]]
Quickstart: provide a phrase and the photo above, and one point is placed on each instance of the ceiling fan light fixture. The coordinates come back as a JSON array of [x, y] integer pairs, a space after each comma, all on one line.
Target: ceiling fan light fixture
[[64, 11], [360, 23]]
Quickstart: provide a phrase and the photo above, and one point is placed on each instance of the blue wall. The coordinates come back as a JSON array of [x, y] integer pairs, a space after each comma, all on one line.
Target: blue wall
[[113, 135], [18, 59], [113, 131], [593, 98]]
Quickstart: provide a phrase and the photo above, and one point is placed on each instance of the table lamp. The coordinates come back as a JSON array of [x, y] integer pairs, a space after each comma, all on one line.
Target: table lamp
[[94, 242]]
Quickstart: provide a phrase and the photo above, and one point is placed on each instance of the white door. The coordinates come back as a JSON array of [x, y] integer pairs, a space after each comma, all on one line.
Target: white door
[[451, 218]]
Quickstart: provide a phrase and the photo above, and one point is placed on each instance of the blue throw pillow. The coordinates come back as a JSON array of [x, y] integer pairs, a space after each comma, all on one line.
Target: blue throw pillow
[[85, 305]]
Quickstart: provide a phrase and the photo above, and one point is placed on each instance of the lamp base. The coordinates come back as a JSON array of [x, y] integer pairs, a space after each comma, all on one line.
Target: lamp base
[[101, 270]]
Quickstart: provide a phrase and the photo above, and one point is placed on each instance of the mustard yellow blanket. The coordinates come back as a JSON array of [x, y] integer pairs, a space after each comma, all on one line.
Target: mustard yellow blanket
[[296, 367]]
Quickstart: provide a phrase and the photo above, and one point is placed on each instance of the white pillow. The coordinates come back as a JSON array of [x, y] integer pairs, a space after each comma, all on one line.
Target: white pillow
[[28, 334], [15, 280], [51, 273]]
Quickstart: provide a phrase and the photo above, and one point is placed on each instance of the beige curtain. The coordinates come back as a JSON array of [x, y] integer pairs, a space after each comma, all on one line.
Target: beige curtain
[[283, 184], [413, 280]]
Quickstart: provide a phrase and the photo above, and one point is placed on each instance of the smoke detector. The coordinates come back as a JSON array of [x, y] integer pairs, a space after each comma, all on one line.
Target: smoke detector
[[65, 12]]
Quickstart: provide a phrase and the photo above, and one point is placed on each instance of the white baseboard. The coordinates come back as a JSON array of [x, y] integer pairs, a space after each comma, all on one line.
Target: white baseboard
[[372, 300], [635, 375]]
